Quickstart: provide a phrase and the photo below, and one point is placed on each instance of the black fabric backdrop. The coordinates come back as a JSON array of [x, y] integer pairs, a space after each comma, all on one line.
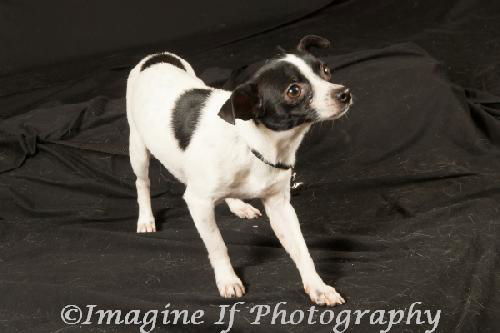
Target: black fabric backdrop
[[400, 202]]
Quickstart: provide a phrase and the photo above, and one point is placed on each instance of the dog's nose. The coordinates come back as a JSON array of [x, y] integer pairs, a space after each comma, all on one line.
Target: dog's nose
[[342, 95]]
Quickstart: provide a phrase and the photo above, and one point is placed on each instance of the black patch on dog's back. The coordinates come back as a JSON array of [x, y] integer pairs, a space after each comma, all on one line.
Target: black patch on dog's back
[[163, 58], [186, 114]]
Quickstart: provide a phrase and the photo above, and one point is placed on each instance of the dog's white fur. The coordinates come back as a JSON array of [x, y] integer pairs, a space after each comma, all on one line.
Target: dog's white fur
[[218, 165]]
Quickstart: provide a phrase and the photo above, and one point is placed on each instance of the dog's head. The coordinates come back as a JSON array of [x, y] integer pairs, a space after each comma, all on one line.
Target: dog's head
[[290, 90]]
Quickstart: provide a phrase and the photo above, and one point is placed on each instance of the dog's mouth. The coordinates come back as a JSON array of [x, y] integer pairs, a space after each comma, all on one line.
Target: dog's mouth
[[340, 114]]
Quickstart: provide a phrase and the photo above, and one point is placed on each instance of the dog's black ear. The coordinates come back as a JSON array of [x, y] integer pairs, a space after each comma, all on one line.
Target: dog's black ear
[[243, 104], [313, 41]]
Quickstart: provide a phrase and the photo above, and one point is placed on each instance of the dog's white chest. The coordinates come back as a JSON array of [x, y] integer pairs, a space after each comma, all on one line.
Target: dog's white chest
[[257, 183]]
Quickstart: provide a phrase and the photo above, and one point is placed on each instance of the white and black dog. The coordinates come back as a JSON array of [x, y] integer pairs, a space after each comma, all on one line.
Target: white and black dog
[[231, 146]]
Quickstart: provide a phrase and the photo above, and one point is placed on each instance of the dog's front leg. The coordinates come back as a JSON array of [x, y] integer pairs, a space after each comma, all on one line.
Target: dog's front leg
[[202, 212], [286, 226]]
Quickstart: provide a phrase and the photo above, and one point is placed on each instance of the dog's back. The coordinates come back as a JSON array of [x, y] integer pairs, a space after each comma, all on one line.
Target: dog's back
[[152, 89], [169, 109]]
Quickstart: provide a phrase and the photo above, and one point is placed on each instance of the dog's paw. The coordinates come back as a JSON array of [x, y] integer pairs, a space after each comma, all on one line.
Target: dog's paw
[[244, 210], [146, 225], [324, 294], [231, 287]]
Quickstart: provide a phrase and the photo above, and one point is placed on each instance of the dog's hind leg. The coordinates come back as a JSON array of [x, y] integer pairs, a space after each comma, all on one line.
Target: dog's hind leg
[[242, 209], [202, 212], [139, 159]]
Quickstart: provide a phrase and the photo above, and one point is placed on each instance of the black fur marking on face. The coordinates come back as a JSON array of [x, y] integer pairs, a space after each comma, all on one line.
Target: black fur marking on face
[[162, 58], [312, 61], [276, 112], [186, 114]]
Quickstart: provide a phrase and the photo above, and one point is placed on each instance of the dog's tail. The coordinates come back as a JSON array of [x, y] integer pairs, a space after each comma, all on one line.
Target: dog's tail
[[165, 58]]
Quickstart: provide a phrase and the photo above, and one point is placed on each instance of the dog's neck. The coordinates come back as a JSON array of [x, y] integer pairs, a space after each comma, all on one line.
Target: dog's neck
[[274, 146]]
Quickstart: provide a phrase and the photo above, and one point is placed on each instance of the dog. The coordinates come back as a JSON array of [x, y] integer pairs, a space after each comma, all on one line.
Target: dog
[[233, 145]]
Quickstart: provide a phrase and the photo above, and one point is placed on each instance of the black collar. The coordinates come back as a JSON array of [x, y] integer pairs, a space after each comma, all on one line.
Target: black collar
[[278, 165]]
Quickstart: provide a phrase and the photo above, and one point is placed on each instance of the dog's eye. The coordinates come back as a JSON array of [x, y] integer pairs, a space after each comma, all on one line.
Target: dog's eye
[[325, 72], [294, 91]]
